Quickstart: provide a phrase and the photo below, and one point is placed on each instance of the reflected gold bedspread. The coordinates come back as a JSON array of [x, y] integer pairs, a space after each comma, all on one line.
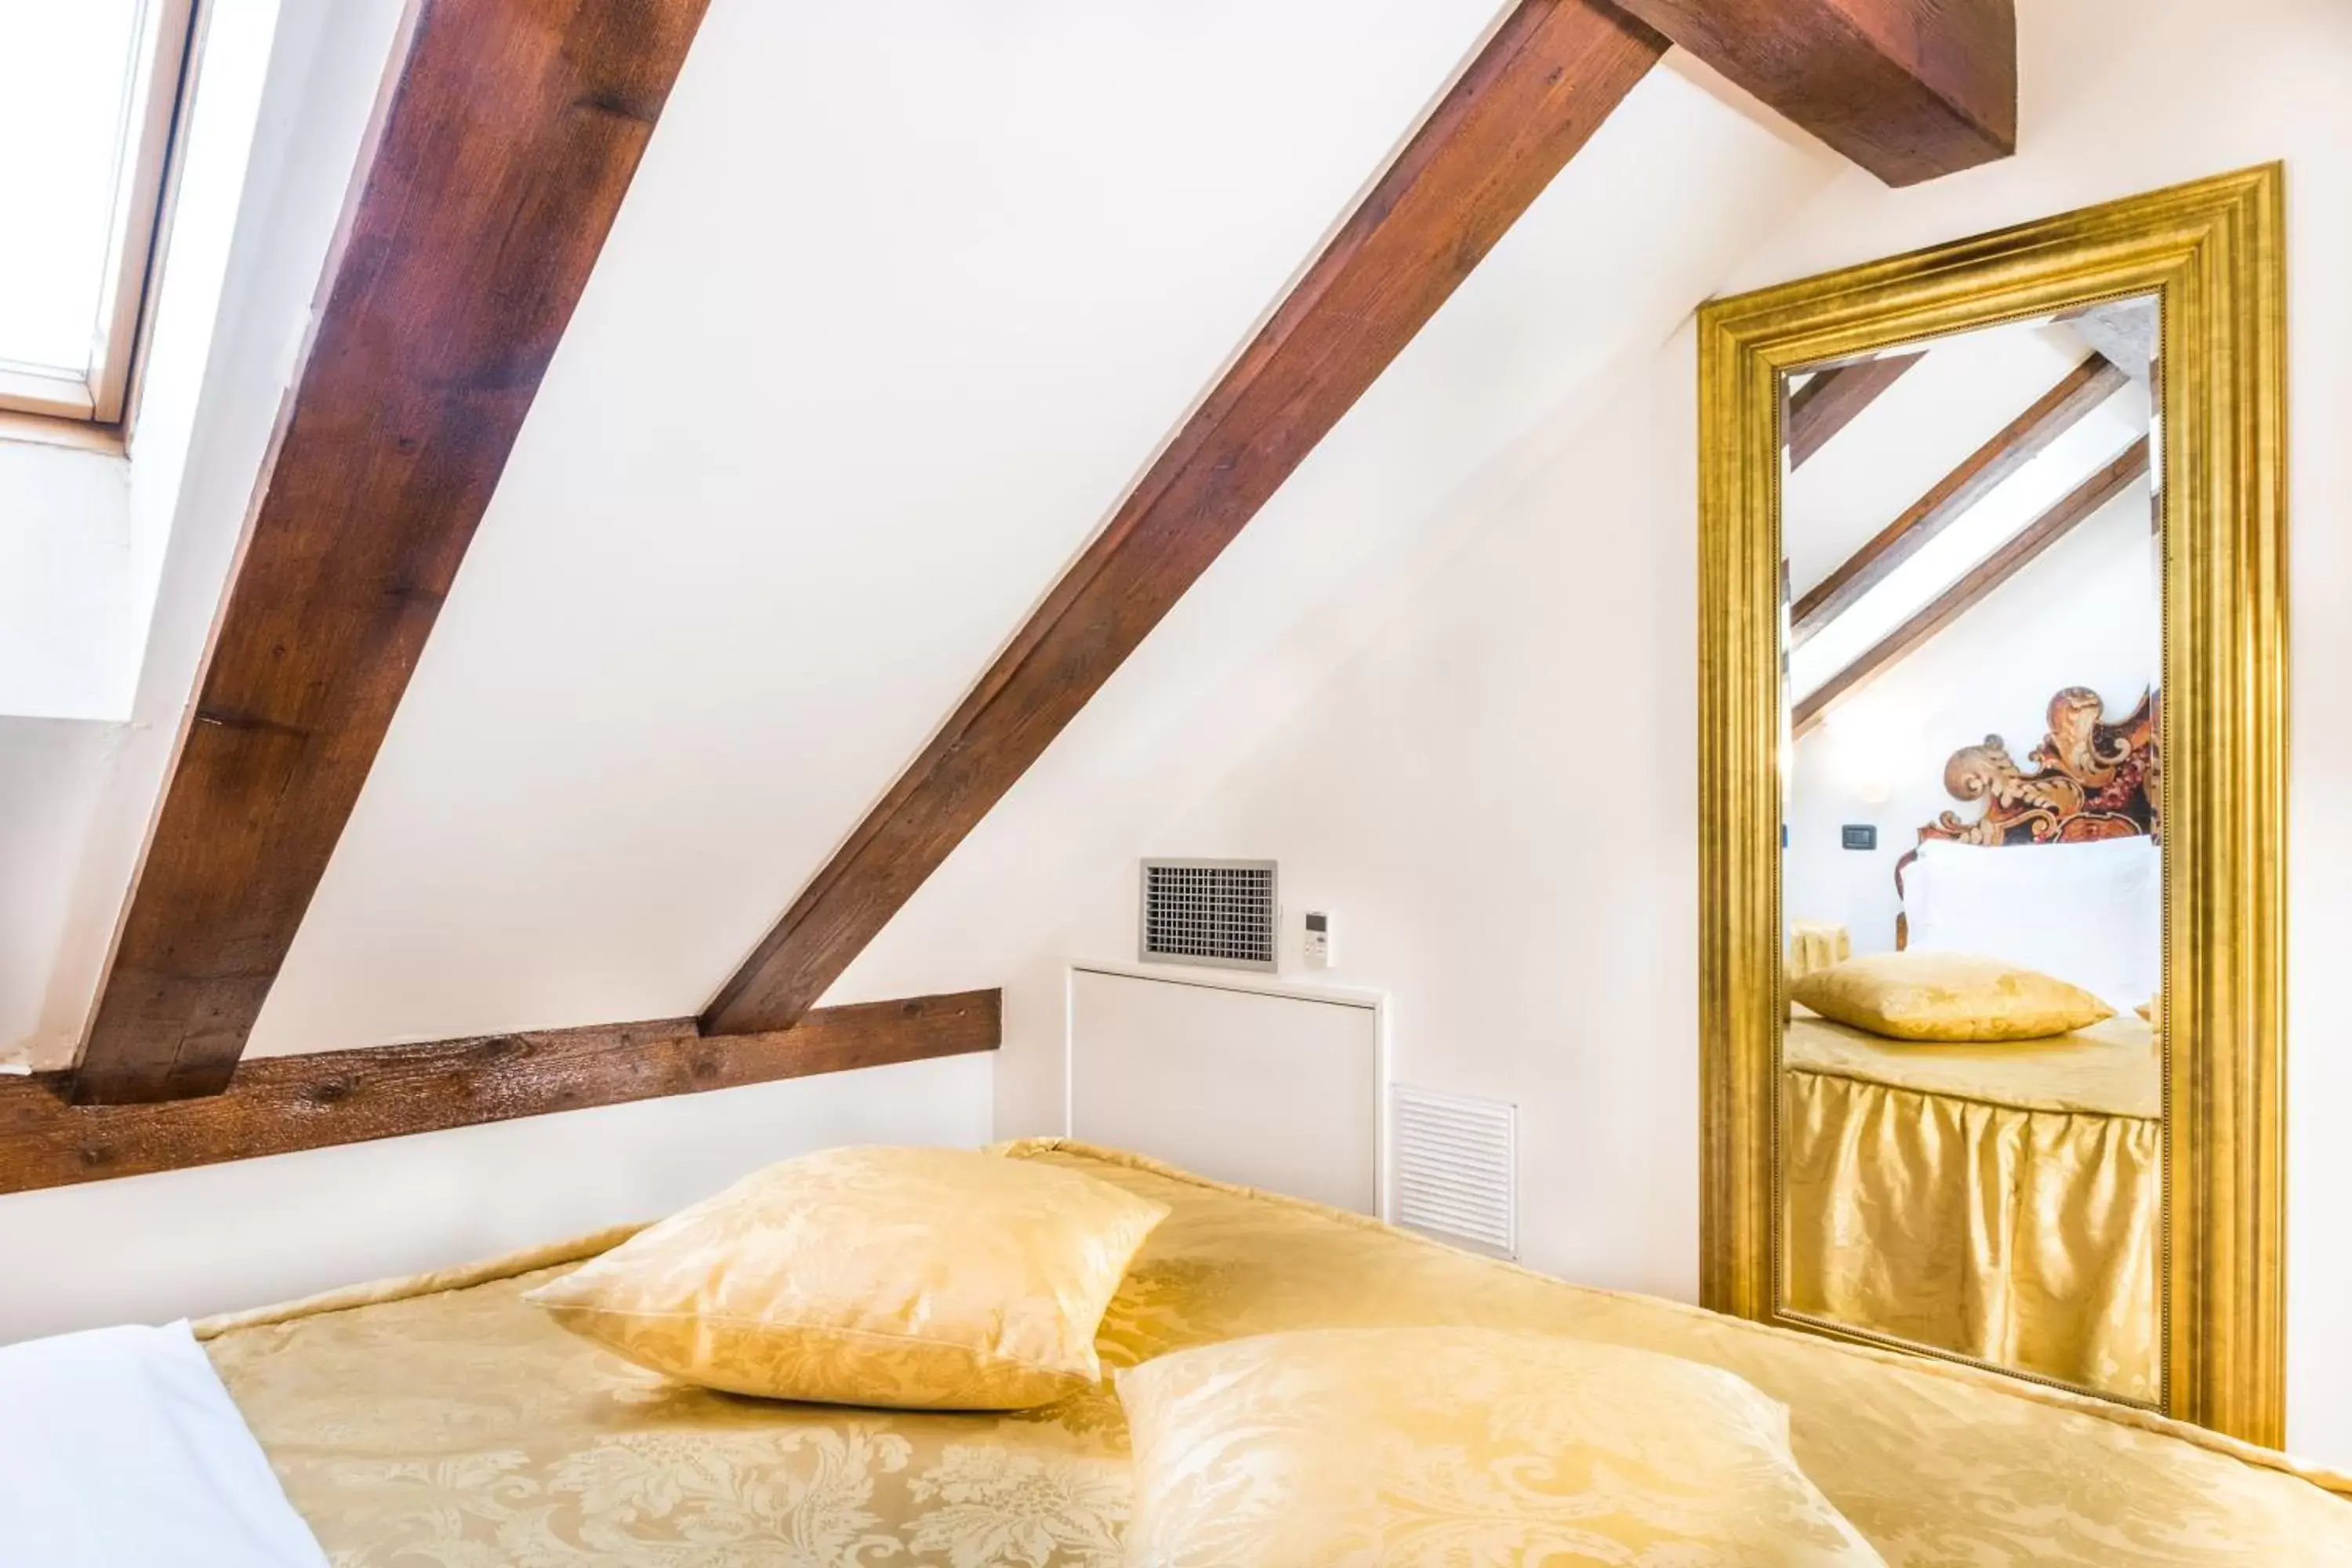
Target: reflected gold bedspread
[[440, 1422], [2000, 1201]]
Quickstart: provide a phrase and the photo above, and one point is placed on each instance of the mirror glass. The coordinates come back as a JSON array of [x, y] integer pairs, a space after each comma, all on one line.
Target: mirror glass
[[1971, 1085]]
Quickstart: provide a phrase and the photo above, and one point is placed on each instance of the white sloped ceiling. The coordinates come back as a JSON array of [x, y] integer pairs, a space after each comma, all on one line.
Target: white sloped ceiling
[[902, 299]]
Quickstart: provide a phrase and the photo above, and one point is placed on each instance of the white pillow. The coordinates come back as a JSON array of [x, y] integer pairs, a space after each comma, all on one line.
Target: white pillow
[[2092, 914], [121, 1447]]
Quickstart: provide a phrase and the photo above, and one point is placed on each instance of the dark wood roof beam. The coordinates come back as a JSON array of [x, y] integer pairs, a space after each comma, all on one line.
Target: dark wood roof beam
[[2027, 437], [512, 129], [2022, 550], [1543, 82], [1909, 89], [1831, 398], [280, 1105]]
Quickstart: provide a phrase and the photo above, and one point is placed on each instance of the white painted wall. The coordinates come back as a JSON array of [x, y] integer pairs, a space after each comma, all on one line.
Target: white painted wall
[[75, 799], [868, 356], [82, 533], [1436, 677], [223, 1237], [1964, 391], [826, 427], [2119, 99], [66, 646], [1487, 770], [87, 606]]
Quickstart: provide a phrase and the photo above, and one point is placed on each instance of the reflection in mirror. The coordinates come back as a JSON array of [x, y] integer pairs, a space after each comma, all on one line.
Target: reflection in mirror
[[1971, 1078]]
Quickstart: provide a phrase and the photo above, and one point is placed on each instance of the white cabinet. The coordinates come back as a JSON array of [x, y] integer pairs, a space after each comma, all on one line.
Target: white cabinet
[[1271, 1088]]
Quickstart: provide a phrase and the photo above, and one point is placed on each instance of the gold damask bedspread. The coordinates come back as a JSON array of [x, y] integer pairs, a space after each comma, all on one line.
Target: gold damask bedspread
[[440, 1422], [2002, 1201], [2115, 1067]]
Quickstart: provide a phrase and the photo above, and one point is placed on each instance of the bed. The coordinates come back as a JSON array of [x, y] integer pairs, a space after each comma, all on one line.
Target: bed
[[2003, 1201], [2000, 1202], [438, 1420]]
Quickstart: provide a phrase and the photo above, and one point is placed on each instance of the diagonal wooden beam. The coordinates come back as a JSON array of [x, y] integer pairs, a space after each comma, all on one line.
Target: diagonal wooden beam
[[2057, 411], [510, 133], [1542, 84], [279, 1105], [1907, 89], [1831, 399], [2020, 551]]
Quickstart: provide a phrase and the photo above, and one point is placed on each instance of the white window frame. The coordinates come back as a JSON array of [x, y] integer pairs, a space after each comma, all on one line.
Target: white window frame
[[66, 405]]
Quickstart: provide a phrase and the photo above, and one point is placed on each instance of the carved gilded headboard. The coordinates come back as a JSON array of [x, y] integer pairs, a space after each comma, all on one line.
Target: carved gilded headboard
[[2090, 779]]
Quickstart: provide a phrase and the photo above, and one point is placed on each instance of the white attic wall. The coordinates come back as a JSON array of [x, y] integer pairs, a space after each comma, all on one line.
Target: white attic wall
[[1489, 775], [74, 791], [1550, 342], [900, 301], [2085, 613], [2122, 97], [1912, 435]]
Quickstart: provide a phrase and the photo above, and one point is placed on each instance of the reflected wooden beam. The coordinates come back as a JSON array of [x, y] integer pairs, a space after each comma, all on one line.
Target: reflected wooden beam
[[2059, 410], [1542, 85], [1830, 400], [1956, 601], [511, 132], [1907, 89], [281, 1105]]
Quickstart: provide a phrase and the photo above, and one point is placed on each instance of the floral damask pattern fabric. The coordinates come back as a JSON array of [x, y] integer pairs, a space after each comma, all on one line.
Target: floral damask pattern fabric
[[1444, 1448], [458, 1428], [2026, 1238], [917, 1278]]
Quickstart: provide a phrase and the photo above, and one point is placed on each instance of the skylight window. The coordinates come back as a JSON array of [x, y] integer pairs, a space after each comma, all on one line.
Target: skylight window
[[89, 89]]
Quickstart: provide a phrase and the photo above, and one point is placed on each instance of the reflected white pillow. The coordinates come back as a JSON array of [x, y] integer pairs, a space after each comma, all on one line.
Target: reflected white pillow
[[2092, 914]]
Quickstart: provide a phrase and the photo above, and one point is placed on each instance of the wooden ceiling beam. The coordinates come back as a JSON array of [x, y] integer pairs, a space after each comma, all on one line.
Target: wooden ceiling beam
[[280, 1105], [500, 155], [1910, 90], [2022, 550], [2022, 440], [1543, 82], [1830, 399]]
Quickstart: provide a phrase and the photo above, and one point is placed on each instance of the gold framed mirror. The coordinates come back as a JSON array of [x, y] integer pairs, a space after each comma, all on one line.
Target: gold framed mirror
[[2030, 485]]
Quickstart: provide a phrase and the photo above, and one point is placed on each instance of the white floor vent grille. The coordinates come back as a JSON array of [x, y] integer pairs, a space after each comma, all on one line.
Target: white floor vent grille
[[1457, 1169]]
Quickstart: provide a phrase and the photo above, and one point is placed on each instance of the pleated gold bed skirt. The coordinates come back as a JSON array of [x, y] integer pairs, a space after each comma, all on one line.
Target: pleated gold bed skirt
[[2023, 1237]]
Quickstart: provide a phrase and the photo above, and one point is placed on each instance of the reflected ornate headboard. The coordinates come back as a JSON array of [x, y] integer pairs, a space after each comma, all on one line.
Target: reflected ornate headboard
[[2092, 779]]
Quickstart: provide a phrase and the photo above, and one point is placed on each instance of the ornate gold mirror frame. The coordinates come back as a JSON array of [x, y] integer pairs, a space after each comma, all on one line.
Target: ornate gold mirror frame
[[2213, 252]]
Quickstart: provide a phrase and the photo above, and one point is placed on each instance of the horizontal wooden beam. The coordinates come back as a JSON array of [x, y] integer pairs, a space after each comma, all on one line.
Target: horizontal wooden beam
[[279, 1105], [1830, 401], [2022, 550], [2057, 411], [1542, 84], [1907, 89], [512, 132]]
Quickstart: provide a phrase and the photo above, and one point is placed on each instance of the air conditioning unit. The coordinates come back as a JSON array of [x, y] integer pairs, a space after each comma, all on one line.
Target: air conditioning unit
[[1220, 912]]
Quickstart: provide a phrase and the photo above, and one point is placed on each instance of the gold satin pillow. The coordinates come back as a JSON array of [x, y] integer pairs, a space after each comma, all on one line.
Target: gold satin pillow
[[923, 1278], [1463, 1446], [1947, 996]]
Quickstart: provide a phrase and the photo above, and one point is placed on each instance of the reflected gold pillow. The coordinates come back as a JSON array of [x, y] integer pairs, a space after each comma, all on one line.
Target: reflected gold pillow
[[1444, 1447], [923, 1278], [1947, 996]]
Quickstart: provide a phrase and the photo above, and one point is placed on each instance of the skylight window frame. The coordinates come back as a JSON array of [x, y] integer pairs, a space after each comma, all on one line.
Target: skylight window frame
[[40, 403]]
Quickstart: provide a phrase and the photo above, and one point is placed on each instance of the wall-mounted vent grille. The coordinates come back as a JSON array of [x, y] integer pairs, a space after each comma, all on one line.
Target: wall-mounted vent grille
[[1210, 912], [1456, 1169]]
